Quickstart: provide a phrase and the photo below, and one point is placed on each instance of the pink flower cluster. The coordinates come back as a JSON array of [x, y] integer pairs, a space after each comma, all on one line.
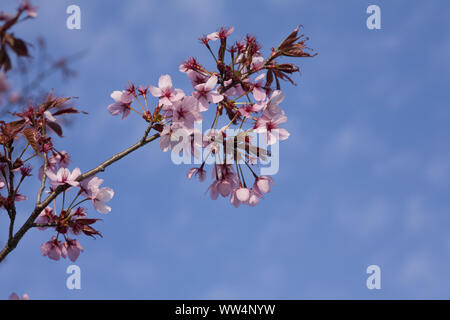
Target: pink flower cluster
[[72, 219], [15, 296], [246, 90]]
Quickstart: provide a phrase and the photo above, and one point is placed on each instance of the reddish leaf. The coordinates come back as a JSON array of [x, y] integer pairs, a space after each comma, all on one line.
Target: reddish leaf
[[65, 111], [30, 135], [20, 47], [55, 127]]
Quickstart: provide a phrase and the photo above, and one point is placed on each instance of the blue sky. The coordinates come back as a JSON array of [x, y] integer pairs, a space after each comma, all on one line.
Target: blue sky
[[364, 177]]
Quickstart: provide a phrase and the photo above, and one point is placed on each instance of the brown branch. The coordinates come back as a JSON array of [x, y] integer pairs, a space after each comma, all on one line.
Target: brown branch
[[11, 194], [12, 244], [44, 177]]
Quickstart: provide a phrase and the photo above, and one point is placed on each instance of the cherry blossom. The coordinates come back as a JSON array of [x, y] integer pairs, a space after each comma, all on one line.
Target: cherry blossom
[[240, 196], [46, 217], [64, 176], [247, 109], [73, 248], [99, 196], [54, 249], [196, 77], [234, 91], [258, 92], [221, 34], [271, 106], [20, 197], [15, 296], [262, 184], [199, 172], [270, 127], [29, 9], [190, 64], [257, 62], [253, 199], [121, 105], [61, 159], [185, 112], [205, 94], [170, 137], [166, 94]]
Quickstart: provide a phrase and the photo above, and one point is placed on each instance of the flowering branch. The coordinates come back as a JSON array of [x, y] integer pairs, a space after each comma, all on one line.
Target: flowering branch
[[244, 89], [14, 240]]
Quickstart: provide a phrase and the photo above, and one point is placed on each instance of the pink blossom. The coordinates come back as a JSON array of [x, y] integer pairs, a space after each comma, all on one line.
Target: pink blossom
[[176, 135], [185, 112], [100, 198], [257, 63], [212, 140], [2, 183], [122, 103], [225, 181], [272, 105], [48, 115], [213, 190], [15, 296], [247, 109], [54, 249], [262, 184], [73, 248], [90, 185], [258, 91], [51, 165], [196, 77], [270, 126], [168, 138], [234, 91], [167, 96], [239, 196], [4, 84], [46, 217], [91, 188], [61, 159], [20, 197], [64, 176], [189, 64], [14, 97], [199, 172], [221, 34], [25, 170], [225, 186], [205, 94], [254, 197], [29, 9], [142, 90]]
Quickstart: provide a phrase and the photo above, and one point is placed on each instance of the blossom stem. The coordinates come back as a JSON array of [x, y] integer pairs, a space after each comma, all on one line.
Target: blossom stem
[[212, 53], [78, 203], [63, 200], [242, 175], [74, 199], [23, 151], [29, 158], [254, 174], [139, 101]]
